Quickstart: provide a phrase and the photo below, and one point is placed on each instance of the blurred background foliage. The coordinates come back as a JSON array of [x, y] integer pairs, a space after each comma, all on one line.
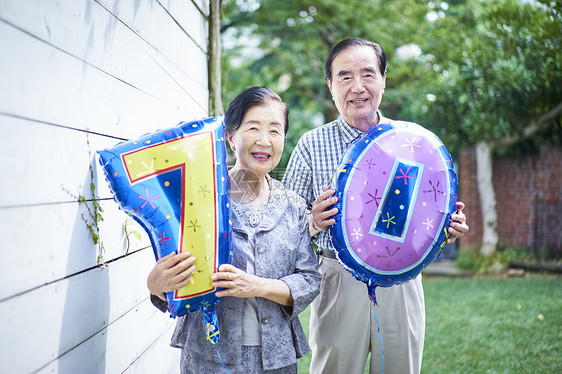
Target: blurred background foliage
[[468, 70]]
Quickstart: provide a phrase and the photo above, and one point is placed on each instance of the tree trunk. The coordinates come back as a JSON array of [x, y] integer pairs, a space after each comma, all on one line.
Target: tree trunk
[[484, 172], [214, 59]]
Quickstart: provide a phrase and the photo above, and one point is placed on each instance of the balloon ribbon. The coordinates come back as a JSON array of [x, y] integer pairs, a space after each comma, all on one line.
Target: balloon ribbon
[[212, 328]]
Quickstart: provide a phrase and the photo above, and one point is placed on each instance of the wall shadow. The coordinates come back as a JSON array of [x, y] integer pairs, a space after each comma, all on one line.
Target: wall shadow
[[85, 315]]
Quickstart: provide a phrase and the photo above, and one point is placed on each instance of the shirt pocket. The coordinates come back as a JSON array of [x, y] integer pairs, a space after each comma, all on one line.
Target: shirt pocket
[[240, 242]]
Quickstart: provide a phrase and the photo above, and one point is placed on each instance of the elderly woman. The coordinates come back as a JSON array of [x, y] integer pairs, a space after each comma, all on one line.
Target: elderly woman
[[273, 276]]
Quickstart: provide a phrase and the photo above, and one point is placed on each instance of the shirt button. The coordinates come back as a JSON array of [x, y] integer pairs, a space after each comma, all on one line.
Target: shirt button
[[261, 249], [265, 320]]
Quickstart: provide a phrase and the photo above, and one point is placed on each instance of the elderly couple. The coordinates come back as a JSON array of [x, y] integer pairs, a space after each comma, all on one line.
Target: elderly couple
[[264, 290]]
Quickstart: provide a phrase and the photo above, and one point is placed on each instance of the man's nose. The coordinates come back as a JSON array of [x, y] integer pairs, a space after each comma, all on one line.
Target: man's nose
[[358, 85]]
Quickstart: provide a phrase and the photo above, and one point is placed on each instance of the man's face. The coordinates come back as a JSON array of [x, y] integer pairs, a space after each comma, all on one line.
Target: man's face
[[357, 86]]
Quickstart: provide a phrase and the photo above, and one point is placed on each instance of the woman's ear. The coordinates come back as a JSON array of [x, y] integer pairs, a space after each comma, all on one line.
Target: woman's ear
[[230, 142]]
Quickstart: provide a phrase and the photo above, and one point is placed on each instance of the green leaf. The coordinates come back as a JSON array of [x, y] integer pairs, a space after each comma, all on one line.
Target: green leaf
[[136, 234]]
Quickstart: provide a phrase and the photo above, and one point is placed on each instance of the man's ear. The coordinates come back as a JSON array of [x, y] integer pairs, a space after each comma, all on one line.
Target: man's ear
[[329, 82]]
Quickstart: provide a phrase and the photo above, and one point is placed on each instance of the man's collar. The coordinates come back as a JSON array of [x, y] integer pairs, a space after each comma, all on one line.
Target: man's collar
[[383, 119], [350, 133]]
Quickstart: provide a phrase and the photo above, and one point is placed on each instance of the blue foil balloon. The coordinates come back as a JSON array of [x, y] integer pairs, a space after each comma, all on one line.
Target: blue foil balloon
[[397, 190], [174, 182]]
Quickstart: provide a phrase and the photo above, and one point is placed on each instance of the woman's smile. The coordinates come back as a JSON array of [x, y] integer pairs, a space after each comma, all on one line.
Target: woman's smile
[[259, 142]]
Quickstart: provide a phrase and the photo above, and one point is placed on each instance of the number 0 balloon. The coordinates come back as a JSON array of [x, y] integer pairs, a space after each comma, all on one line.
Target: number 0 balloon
[[174, 182], [397, 190]]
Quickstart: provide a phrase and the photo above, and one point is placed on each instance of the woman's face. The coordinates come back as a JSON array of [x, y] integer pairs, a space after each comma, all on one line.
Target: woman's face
[[258, 143]]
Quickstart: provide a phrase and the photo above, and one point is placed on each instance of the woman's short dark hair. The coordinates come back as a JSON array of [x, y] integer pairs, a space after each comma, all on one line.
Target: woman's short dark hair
[[354, 42], [246, 100]]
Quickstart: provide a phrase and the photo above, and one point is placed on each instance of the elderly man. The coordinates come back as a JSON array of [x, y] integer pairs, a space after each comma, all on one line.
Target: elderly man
[[342, 330]]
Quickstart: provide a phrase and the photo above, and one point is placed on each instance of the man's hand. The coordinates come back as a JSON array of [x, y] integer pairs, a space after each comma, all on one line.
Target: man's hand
[[458, 226], [321, 216]]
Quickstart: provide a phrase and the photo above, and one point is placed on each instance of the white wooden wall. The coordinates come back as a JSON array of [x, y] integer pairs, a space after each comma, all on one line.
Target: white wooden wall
[[77, 76]]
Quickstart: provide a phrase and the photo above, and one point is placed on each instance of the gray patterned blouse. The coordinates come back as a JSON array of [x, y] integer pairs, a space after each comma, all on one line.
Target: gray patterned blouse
[[283, 251]]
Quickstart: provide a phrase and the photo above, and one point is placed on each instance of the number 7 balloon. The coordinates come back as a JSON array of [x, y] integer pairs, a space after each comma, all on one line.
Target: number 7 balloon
[[174, 182]]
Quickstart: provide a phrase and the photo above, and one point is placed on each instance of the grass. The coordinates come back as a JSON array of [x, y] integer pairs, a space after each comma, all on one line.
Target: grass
[[488, 325], [304, 362]]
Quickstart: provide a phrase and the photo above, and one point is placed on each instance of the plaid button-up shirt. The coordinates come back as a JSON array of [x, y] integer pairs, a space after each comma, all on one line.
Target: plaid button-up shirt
[[315, 159]]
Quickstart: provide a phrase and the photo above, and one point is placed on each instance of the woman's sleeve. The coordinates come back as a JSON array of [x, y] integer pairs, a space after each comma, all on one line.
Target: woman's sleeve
[[304, 282], [159, 303]]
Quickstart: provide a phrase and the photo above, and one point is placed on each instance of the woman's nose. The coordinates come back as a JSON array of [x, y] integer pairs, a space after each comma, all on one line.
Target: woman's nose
[[264, 138]]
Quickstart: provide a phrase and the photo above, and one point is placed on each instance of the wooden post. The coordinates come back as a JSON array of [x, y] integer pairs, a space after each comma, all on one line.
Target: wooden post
[[214, 59]]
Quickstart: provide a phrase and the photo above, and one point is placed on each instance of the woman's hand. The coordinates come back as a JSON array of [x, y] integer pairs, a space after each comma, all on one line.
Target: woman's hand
[[321, 216], [238, 283], [458, 226], [170, 273]]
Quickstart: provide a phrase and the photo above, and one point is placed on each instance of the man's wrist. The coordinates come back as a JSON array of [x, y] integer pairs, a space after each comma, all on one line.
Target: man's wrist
[[313, 227]]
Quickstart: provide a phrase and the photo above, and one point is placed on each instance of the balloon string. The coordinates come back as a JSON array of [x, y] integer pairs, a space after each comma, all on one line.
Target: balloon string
[[220, 358], [207, 258], [380, 337], [396, 301]]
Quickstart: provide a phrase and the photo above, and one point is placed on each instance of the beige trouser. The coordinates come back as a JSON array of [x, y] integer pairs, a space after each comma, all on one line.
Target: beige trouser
[[343, 330]]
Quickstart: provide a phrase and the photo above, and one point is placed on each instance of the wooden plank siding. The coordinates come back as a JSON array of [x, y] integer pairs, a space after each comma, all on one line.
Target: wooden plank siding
[[78, 76]]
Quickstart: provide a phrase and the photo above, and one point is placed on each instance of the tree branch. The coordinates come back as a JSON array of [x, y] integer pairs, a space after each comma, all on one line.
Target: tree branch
[[542, 122]]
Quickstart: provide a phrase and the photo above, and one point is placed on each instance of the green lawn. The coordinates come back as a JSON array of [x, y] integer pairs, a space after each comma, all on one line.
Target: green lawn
[[489, 325]]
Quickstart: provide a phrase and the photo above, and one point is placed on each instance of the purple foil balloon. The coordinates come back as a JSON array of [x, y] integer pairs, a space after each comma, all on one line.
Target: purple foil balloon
[[397, 190]]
